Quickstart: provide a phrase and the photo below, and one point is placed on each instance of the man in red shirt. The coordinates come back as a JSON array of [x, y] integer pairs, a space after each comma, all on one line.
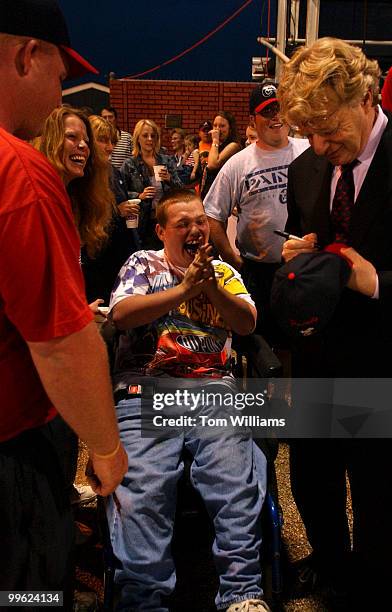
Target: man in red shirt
[[51, 355]]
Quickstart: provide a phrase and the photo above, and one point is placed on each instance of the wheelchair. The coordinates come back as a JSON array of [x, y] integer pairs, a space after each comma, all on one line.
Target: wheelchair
[[253, 358]]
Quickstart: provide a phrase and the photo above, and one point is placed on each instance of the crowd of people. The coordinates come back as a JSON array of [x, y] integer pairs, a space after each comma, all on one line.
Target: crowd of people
[[147, 229]]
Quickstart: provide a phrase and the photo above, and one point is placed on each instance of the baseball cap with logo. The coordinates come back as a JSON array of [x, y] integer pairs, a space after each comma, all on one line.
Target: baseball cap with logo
[[206, 126], [306, 291], [262, 96], [44, 20]]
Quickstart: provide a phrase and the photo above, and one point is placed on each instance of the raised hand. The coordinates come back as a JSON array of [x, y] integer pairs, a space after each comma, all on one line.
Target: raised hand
[[199, 272]]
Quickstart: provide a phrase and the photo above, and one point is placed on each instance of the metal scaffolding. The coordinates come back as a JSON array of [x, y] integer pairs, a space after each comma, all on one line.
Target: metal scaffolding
[[312, 25], [288, 13]]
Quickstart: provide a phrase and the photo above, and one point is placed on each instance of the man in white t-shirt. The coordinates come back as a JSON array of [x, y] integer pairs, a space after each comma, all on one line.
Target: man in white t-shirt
[[255, 182]]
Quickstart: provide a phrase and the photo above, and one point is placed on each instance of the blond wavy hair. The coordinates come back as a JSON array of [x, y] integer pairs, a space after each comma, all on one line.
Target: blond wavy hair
[[91, 196], [138, 130], [329, 73], [103, 129]]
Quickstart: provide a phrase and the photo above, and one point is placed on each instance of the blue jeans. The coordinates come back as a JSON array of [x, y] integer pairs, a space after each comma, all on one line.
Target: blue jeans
[[228, 471]]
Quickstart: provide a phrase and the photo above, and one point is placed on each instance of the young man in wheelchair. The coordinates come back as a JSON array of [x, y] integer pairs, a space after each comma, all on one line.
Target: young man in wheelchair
[[177, 308]]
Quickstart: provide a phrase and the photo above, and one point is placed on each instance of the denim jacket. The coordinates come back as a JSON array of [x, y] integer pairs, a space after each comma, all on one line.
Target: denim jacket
[[136, 177]]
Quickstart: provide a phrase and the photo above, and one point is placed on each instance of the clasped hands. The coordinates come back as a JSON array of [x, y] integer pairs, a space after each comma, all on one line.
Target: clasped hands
[[200, 275]]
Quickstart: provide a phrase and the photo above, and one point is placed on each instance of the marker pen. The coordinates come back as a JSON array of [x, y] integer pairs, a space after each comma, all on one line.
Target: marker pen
[[293, 237]]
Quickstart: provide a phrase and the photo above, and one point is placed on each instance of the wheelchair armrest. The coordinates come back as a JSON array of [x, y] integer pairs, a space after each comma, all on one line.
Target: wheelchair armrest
[[262, 361]]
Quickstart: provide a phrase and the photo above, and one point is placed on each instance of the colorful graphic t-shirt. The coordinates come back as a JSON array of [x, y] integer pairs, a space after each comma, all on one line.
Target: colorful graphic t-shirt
[[191, 340]]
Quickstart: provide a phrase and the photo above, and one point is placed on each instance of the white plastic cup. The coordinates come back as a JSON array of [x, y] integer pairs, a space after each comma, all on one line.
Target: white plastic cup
[[132, 221], [157, 170]]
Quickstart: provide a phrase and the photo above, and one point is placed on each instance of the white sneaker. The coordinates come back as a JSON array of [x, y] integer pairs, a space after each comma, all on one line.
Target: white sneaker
[[249, 605], [82, 494]]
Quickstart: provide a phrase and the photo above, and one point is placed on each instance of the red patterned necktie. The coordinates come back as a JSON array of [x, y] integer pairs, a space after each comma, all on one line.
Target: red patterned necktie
[[343, 202]]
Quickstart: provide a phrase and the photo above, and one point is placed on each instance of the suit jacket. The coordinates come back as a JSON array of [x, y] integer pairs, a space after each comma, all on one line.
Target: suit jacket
[[358, 340]]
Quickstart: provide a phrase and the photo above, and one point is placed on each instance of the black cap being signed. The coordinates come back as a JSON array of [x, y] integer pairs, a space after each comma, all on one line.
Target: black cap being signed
[[306, 291]]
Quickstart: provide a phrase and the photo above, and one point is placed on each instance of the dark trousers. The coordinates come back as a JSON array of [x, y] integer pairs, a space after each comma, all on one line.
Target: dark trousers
[[66, 445], [318, 476], [258, 278], [318, 482], [36, 525]]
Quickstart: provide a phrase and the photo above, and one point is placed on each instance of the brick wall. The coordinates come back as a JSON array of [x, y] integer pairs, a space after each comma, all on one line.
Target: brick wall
[[196, 101]]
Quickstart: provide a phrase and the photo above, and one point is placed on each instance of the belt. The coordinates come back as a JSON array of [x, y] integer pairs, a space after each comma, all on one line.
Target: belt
[[146, 388], [133, 391]]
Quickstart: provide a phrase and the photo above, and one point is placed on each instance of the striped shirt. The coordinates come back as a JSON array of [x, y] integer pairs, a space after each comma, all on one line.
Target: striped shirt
[[122, 150], [190, 160]]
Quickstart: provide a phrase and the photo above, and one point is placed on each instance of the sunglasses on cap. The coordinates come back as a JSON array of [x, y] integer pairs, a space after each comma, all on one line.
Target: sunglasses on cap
[[269, 111]]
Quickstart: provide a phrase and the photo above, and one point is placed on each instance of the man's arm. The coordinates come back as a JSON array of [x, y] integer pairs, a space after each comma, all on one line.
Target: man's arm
[[219, 238], [142, 309], [363, 274], [291, 248], [218, 205], [200, 276], [239, 315], [74, 372]]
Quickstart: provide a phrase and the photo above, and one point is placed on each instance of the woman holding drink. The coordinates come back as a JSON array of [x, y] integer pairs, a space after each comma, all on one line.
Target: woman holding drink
[[147, 175]]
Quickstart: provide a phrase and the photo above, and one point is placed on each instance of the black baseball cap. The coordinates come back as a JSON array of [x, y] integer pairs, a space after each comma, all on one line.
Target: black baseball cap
[[306, 291], [43, 19], [263, 95], [205, 126]]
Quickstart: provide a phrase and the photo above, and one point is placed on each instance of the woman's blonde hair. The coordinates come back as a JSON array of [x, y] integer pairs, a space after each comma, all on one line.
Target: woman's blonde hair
[[138, 130], [103, 129], [330, 70], [91, 196]]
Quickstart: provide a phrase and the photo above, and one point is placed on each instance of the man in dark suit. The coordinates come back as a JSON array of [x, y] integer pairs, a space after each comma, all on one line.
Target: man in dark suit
[[341, 190]]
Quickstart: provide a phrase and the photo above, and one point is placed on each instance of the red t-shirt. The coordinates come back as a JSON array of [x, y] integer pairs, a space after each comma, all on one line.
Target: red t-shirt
[[41, 283]]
